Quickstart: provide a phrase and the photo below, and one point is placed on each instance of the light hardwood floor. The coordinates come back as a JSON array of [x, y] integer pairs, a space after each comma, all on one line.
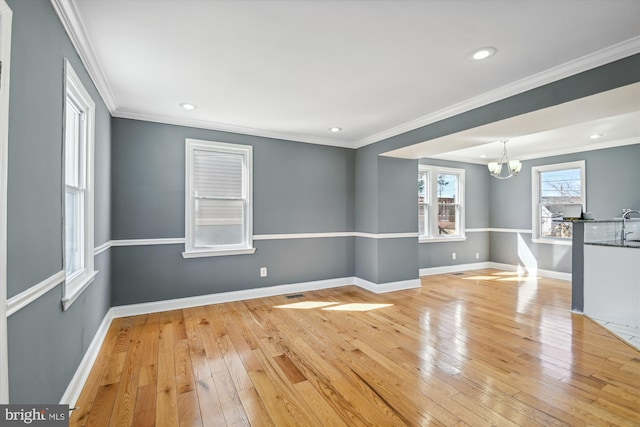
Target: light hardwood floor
[[483, 348]]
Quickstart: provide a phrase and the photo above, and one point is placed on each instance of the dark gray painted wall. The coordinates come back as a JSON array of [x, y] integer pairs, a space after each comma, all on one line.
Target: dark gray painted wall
[[46, 344], [156, 273], [298, 188]]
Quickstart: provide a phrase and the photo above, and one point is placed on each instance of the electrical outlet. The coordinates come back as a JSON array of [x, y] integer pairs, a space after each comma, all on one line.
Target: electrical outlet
[[453, 255], [477, 255], [263, 272]]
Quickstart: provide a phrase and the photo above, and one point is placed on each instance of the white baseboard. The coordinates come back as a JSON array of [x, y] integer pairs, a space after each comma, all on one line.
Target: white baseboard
[[72, 393], [454, 268], [180, 303], [499, 266], [379, 288]]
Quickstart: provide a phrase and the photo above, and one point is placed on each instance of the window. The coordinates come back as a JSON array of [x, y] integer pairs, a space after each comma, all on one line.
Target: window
[[556, 188], [440, 203], [218, 202], [79, 119]]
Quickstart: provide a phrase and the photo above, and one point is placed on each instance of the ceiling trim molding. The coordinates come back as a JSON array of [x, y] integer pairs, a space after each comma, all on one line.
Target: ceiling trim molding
[[604, 56], [550, 153], [72, 23], [222, 127]]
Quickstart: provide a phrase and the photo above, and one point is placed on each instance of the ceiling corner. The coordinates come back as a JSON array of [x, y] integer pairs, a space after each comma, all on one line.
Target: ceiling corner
[[70, 19]]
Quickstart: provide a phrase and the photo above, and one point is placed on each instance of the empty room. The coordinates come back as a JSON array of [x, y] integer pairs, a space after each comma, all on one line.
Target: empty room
[[320, 213]]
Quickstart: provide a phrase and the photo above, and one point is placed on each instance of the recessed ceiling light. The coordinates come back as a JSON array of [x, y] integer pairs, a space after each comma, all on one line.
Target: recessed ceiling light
[[188, 106], [335, 129], [483, 156], [596, 136], [482, 53]]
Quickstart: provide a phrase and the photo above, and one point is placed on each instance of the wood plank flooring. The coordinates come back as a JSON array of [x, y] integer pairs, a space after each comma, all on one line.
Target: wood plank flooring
[[483, 348]]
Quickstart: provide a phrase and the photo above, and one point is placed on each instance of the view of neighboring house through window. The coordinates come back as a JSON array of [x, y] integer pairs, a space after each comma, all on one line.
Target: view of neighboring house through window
[[218, 204], [79, 117], [440, 203], [556, 189]]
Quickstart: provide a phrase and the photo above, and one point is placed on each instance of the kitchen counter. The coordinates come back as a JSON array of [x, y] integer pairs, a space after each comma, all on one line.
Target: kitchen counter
[[617, 244]]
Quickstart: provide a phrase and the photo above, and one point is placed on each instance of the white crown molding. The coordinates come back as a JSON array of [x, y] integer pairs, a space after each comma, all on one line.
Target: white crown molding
[[28, 296], [223, 127], [582, 149], [551, 153], [604, 56], [74, 27]]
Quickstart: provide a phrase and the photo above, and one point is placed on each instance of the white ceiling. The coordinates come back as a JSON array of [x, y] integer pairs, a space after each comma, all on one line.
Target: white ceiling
[[292, 69]]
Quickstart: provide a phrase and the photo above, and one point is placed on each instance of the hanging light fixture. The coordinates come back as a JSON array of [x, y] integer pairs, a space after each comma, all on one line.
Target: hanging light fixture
[[513, 166]]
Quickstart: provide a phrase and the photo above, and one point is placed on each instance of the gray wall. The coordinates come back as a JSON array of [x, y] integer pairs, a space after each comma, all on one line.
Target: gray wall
[[45, 343], [477, 190], [612, 176], [298, 188]]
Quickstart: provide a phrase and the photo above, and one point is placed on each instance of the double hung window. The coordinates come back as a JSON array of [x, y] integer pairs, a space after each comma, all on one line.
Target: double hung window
[[79, 118], [440, 203], [556, 188], [218, 201]]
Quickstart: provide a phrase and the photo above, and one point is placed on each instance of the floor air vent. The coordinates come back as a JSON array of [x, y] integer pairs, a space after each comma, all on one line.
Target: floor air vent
[[295, 296], [458, 274]]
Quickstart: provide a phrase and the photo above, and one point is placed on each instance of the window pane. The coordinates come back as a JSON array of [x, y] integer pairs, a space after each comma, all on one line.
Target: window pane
[[218, 174], [447, 186], [551, 223], [219, 222], [423, 218], [560, 187], [447, 219], [72, 148], [74, 231]]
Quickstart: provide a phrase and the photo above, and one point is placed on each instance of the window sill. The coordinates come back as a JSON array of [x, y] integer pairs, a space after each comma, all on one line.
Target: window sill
[[75, 287], [441, 239], [210, 253], [553, 241]]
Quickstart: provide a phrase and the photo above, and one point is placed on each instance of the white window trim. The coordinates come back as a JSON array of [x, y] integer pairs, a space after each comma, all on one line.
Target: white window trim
[[247, 150], [535, 198], [433, 172], [74, 287]]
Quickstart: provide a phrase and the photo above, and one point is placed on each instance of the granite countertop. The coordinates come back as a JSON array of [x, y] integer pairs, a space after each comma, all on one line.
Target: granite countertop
[[617, 243]]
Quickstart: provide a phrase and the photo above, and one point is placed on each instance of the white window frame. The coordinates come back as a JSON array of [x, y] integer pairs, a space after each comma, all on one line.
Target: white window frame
[[431, 228], [191, 145], [75, 90], [535, 198]]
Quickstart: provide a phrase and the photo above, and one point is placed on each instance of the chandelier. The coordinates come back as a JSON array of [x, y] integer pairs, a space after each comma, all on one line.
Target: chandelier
[[512, 169]]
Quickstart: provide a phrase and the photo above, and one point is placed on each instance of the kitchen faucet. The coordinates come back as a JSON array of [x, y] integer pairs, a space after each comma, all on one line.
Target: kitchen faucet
[[626, 214]]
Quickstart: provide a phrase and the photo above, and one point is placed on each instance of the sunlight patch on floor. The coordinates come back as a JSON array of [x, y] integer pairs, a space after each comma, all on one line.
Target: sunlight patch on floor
[[306, 305], [357, 306]]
